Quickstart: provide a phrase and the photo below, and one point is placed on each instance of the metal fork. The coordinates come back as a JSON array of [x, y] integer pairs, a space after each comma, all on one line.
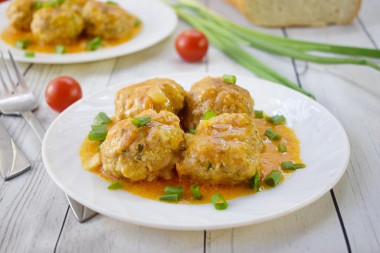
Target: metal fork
[[18, 100]]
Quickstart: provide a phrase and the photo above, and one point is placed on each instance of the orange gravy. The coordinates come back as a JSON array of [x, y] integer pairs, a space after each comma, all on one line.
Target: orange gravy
[[270, 160], [10, 35]]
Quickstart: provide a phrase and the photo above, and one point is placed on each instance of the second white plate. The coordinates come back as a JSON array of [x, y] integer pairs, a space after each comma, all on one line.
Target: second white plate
[[324, 149], [158, 19]]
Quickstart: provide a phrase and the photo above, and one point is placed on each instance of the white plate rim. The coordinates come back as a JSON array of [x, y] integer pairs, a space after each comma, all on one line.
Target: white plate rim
[[158, 12], [338, 173]]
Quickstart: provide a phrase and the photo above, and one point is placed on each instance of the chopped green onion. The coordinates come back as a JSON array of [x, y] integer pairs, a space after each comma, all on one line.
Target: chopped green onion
[[219, 202], [209, 114], [231, 79], [137, 22], [170, 197], [273, 178], [59, 49], [174, 190], [53, 3], [192, 130], [116, 185], [259, 114], [111, 3], [282, 148], [102, 118], [94, 44], [22, 44], [141, 121], [38, 5], [98, 133], [272, 135], [29, 54], [288, 165], [276, 119], [255, 182], [196, 193]]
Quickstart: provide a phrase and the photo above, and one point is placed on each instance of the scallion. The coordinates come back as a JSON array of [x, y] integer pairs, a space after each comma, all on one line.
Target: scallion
[[272, 135], [191, 130], [98, 133], [196, 192], [273, 178], [137, 22], [102, 118], [169, 197], [259, 114], [219, 202], [94, 44], [29, 54], [22, 44], [276, 119], [116, 185], [209, 114], [141, 121], [231, 79], [288, 165], [255, 182], [282, 148], [174, 190], [60, 49]]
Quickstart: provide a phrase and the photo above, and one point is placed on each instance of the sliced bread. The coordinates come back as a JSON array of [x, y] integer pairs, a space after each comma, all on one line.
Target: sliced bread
[[282, 13]]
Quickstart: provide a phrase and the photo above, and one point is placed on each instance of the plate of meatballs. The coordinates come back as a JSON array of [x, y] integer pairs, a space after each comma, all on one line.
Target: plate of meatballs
[[195, 130], [73, 31]]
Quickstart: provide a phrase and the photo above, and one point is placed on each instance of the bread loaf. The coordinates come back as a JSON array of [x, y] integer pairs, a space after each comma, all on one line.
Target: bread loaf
[[283, 13]]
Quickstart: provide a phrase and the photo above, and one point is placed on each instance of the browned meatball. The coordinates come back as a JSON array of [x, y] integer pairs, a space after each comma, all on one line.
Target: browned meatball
[[20, 13], [56, 25], [76, 5], [157, 94], [224, 150], [214, 94], [108, 21], [143, 153]]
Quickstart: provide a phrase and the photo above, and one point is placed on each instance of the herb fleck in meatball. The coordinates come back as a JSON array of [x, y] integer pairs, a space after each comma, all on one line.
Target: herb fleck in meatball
[[224, 150], [143, 153], [108, 21], [56, 25], [157, 94], [20, 13], [214, 94]]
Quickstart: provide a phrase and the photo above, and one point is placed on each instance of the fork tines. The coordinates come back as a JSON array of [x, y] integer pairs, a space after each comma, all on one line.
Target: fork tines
[[12, 86]]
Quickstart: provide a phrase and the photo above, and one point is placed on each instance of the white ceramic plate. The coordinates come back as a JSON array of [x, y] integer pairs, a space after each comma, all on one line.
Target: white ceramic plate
[[324, 148], [159, 21]]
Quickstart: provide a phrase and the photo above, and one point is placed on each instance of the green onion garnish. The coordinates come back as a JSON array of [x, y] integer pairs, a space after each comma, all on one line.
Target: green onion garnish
[[137, 22], [277, 119], [282, 148], [94, 44], [209, 114], [288, 165], [255, 182], [111, 3], [22, 44], [59, 49], [102, 118], [98, 133], [29, 54], [272, 135], [141, 121], [259, 114], [231, 79], [38, 5], [196, 193], [273, 178], [174, 190], [53, 3], [116, 185], [192, 130], [219, 202], [170, 197]]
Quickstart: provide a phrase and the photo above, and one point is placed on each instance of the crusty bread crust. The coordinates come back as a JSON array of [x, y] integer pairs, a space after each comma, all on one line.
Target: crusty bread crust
[[285, 13]]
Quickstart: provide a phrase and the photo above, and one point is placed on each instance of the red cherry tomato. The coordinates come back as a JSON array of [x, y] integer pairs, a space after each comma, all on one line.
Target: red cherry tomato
[[61, 92], [191, 45]]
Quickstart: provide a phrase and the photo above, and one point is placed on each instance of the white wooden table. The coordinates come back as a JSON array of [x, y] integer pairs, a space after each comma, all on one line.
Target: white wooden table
[[35, 216]]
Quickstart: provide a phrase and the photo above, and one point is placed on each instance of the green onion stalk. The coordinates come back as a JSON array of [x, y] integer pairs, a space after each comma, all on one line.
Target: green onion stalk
[[219, 31]]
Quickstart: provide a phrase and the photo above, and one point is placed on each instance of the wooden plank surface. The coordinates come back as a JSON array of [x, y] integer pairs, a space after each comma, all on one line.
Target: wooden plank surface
[[35, 215]]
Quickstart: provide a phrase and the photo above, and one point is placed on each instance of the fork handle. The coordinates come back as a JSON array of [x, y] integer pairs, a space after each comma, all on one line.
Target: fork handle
[[35, 124]]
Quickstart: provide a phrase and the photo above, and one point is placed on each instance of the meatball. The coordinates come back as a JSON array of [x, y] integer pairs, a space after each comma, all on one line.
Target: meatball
[[20, 13], [143, 153], [157, 94], [76, 5], [224, 150], [56, 25], [108, 21], [214, 94]]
